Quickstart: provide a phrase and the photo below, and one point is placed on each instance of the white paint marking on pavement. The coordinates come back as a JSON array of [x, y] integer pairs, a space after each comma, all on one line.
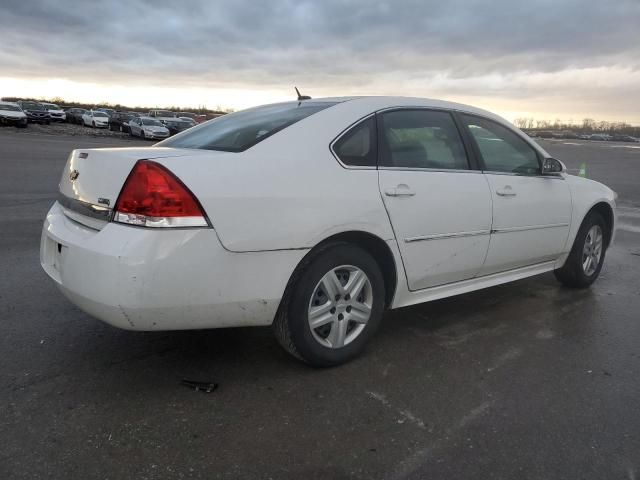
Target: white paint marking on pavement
[[405, 414], [627, 227]]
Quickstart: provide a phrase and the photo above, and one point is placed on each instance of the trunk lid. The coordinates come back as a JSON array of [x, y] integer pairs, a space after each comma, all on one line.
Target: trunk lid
[[92, 179]]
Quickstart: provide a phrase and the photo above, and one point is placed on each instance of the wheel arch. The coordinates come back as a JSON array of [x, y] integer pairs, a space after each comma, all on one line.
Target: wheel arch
[[372, 244], [606, 211]]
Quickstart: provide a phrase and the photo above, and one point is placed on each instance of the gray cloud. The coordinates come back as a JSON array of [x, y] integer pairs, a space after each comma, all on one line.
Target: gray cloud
[[325, 45]]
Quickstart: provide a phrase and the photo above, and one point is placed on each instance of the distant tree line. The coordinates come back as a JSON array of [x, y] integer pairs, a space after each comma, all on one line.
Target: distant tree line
[[588, 126], [117, 106]]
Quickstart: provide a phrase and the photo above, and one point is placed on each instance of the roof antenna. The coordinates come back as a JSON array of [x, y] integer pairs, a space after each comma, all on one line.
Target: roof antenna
[[302, 97]]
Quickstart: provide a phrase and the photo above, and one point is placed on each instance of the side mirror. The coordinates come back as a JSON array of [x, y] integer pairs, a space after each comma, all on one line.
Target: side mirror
[[553, 167]]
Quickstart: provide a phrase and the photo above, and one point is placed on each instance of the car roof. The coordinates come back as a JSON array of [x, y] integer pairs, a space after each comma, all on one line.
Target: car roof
[[384, 102], [2, 102]]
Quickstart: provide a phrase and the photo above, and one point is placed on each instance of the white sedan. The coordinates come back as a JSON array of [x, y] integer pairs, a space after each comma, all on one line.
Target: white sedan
[[147, 127], [315, 216], [95, 119]]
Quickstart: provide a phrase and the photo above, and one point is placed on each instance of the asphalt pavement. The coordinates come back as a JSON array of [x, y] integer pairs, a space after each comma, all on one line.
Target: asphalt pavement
[[523, 381]]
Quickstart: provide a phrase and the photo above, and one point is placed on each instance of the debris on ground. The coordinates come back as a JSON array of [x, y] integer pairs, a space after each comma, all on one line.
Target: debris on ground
[[205, 387]]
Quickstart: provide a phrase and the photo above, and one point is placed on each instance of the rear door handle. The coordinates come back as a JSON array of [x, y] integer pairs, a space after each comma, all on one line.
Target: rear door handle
[[507, 191], [401, 190]]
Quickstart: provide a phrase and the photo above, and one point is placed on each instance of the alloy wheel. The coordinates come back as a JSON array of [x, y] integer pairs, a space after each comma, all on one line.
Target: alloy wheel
[[592, 250]]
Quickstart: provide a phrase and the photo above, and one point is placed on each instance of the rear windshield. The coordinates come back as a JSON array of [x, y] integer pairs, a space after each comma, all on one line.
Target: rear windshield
[[236, 132], [100, 114]]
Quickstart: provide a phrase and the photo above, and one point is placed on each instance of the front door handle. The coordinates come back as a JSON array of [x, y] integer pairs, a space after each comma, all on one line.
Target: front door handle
[[507, 191], [401, 190]]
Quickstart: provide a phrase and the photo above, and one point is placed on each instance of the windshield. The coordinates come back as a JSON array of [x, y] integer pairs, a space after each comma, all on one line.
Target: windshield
[[100, 114], [11, 108], [165, 113], [236, 132], [51, 106], [151, 122]]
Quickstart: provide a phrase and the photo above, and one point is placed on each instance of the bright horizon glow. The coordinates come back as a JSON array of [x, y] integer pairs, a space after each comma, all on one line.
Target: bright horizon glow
[[240, 98]]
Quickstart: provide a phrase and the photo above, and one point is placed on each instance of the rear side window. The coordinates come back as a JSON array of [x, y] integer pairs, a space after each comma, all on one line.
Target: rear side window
[[502, 150], [421, 139], [239, 131], [357, 147]]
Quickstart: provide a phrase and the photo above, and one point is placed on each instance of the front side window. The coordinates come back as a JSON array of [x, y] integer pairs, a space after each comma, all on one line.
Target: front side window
[[421, 139], [357, 147], [239, 131], [502, 150]]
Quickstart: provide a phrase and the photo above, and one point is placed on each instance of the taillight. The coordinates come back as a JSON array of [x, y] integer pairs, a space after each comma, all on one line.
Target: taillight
[[152, 196]]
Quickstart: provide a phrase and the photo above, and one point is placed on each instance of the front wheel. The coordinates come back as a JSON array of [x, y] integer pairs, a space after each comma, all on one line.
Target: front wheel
[[587, 254], [332, 307]]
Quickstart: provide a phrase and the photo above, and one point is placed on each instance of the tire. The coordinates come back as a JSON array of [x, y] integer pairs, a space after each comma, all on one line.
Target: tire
[[93, 124], [142, 135], [577, 272], [314, 346]]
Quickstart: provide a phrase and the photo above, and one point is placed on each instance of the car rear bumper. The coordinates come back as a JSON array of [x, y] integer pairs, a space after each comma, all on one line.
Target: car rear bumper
[[144, 279]]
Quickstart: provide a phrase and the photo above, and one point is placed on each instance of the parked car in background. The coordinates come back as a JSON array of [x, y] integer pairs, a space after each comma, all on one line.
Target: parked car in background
[[36, 112], [177, 124], [108, 111], [147, 127], [545, 134], [95, 119], [119, 121], [584, 136], [599, 137], [74, 115], [170, 120], [189, 120], [161, 114], [190, 115], [12, 114], [569, 135], [624, 138], [57, 114], [316, 216]]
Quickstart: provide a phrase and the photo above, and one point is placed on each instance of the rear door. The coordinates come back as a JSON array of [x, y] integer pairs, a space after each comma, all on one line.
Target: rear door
[[531, 211], [439, 207]]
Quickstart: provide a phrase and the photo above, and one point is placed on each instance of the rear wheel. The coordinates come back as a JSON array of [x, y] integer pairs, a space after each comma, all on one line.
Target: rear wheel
[[333, 306], [587, 254]]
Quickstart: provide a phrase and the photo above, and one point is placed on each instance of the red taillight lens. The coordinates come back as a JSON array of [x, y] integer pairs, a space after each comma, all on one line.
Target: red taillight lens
[[152, 196]]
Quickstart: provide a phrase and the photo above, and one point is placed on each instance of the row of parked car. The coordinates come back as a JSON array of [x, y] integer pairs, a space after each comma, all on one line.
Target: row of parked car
[[155, 124], [602, 137]]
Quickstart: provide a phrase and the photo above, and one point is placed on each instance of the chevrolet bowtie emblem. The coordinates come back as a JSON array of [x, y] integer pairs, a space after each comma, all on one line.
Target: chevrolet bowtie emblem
[[73, 175]]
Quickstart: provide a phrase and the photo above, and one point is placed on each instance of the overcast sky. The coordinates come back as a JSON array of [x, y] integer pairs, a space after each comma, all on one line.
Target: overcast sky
[[561, 58]]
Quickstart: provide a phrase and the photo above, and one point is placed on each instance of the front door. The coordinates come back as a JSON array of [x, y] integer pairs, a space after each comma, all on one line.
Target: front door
[[531, 212], [439, 208]]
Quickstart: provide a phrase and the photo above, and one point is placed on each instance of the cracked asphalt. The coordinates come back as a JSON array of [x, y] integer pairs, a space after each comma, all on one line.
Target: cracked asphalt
[[528, 380]]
